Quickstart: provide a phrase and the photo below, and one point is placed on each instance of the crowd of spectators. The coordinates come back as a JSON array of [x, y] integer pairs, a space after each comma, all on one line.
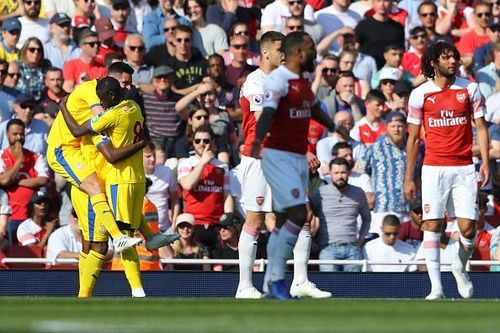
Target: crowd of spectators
[[190, 59]]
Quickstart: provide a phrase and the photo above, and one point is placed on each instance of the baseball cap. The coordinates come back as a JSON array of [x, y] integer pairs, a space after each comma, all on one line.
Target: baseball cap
[[389, 73], [39, 198], [11, 24], [395, 116], [60, 18], [226, 220], [23, 98], [120, 4], [185, 218], [162, 70], [104, 29]]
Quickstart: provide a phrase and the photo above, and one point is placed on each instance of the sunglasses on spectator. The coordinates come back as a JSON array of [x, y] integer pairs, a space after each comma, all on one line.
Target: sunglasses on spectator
[[136, 48], [27, 105], [431, 14], [87, 1], [201, 117], [241, 33], [240, 46], [295, 2], [391, 234], [485, 14], [198, 141], [329, 69], [184, 225], [92, 44], [422, 36], [387, 81], [167, 29], [14, 74], [34, 49], [31, 3], [184, 40], [220, 227], [295, 27]]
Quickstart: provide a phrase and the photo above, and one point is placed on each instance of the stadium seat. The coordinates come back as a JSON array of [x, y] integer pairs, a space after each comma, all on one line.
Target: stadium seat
[[16, 251]]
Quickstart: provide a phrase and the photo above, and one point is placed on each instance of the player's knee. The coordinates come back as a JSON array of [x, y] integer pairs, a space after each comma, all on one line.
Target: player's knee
[[99, 247], [255, 220], [91, 185]]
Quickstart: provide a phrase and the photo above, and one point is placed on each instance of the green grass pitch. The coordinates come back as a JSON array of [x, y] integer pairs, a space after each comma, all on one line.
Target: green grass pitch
[[43, 314]]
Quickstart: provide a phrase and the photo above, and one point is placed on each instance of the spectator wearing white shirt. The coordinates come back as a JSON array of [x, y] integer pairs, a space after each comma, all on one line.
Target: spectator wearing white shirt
[[32, 24], [52, 7], [276, 13], [35, 230], [65, 242], [388, 248], [163, 188]]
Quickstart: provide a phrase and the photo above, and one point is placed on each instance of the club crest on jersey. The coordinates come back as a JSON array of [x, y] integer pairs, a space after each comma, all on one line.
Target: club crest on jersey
[[102, 229], [461, 97], [295, 193], [79, 165], [427, 208], [259, 200]]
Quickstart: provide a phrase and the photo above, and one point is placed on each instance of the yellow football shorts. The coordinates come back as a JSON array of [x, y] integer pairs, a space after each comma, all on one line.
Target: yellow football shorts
[[126, 201], [69, 163], [91, 230]]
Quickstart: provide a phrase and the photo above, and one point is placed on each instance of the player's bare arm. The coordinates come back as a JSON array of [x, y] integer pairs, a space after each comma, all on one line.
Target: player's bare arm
[[411, 156], [114, 155], [484, 146], [263, 126], [75, 129]]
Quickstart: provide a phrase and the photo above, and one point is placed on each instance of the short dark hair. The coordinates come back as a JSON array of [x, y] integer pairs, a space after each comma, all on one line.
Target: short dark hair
[[345, 74], [53, 69], [340, 145], [86, 33], [427, 3], [293, 41], [14, 121], [107, 84], [271, 37], [204, 129], [110, 57], [202, 3], [375, 95], [216, 55], [394, 46], [391, 220], [417, 30], [184, 28], [339, 161], [432, 54], [119, 68], [150, 145]]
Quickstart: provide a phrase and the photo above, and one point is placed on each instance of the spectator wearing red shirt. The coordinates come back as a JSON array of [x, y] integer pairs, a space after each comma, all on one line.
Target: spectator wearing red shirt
[[84, 68], [36, 230], [478, 36], [106, 33], [22, 172], [120, 12], [412, 57], [371, 127], [410, 232]]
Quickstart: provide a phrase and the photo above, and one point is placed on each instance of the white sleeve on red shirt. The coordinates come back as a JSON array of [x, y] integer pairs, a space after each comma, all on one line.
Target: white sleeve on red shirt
[[25, 234], [415, 106], [275, 87], [253, 90], [476, 100], [5, 208], [41, 166], [185, 167]]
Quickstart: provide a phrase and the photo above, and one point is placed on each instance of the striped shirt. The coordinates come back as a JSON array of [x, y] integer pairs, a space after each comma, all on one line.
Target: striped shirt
[[161, 118], [386, 164]]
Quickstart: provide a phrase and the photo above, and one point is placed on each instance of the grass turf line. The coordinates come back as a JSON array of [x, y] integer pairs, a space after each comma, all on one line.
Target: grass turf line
[[43, 314]]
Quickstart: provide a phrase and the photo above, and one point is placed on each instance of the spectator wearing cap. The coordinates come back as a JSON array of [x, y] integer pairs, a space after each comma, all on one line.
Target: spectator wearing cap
[[158, 54], [22, 172], [106, 33], [122, 21], [162, 118], [36, 130], [152, 29], [412, 58], [66, 241], [61, 47], [340, 203], [371, 127], [477, 37], [227, 246], [36, 230], [487, 76], [389, 81], [411, 232], [48, 107], [385, 163], [32, 24], [32, 67], [11, 31], [134, 50], [389, 248], [482, 55], [187, 247], [84, 68], [53, 7], [375, 33], [7, 95], [207, 37], [237, 71]]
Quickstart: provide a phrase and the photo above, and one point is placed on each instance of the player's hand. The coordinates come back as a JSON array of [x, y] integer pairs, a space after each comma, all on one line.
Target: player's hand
[[17, 150], [145, 134], [256, 149], [343, 132], [313, 162], [207, 155], [410, 191], [484, 173]]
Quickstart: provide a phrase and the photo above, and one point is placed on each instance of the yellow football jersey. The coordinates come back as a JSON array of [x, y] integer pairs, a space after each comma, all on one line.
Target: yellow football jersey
[[123, 125], [80, 103]]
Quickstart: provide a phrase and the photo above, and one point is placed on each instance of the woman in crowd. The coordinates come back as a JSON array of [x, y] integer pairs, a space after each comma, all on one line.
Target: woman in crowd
[[32, 66]]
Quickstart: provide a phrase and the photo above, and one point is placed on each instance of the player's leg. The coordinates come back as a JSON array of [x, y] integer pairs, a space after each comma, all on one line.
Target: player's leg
[[132, 268], [154, 240], [81, 259], [92, 267], [463, 206], [273, 223]]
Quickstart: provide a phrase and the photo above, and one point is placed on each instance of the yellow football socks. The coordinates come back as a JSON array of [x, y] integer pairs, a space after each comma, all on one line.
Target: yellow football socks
[[90, 273], [104, 214], [132, 267], [81, 265]]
